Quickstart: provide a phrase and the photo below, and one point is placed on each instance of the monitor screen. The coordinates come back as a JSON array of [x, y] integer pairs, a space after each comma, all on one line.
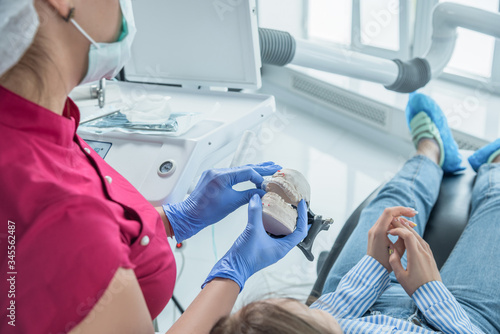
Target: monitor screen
[[196, 43]]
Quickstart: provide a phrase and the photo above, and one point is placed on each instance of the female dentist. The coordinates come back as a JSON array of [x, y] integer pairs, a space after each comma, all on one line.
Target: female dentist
[[84, 251]]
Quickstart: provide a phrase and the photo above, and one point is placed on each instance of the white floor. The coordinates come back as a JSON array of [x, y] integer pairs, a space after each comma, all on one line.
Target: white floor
[[342, 169]]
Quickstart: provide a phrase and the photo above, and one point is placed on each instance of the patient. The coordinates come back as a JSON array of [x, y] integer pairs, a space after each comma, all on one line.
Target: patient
[[394, 285]]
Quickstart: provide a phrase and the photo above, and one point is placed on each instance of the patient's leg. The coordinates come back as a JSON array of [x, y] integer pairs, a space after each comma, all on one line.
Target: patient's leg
[[472, 272], [416, 185]]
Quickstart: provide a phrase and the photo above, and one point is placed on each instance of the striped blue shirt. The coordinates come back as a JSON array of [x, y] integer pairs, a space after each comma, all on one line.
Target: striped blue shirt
[[362, 285]]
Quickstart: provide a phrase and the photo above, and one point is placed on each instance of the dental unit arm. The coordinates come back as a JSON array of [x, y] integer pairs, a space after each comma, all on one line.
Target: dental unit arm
[[280, 48]]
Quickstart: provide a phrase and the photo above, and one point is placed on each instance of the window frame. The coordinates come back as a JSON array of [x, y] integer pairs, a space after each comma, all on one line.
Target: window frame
[[405, 31]]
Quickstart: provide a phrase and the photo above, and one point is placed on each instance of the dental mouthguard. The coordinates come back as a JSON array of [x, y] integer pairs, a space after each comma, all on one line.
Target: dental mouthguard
[[284, 190]]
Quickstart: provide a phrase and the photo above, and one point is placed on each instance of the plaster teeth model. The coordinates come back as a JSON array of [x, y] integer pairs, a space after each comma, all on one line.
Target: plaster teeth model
[[290, 184], [279, 218], [285, 188]]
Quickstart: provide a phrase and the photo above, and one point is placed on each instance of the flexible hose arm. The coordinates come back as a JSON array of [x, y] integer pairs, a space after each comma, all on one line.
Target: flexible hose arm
[[446, 18], [280, 48]]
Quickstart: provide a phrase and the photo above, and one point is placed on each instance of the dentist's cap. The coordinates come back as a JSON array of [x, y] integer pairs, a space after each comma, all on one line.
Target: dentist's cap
[[18, 25]]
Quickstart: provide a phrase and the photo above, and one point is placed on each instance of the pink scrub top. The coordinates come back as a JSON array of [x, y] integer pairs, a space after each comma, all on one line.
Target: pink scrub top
[[76, 221]]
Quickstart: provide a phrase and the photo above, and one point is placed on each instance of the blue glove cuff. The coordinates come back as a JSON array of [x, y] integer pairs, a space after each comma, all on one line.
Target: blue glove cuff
[[180, 227], [224, 269]]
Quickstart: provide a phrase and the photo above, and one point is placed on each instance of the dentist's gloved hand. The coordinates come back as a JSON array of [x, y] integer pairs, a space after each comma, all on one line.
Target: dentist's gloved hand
[[214, 198], [255, 249]]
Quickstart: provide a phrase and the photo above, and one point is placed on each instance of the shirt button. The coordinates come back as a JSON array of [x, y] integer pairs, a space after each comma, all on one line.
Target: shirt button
[[108, 178], [145, 240], [87, 150]]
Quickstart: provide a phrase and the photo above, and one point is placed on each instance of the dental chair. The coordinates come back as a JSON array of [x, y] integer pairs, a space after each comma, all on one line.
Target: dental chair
[[444, 227]]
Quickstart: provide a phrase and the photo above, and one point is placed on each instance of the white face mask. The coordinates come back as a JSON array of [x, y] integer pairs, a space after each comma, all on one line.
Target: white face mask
[[107, 59]]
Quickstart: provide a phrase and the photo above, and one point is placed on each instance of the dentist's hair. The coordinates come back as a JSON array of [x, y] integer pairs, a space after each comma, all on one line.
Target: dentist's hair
[[264, 317]]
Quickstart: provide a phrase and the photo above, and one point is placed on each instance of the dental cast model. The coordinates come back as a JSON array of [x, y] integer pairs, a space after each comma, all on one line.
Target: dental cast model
[[285, 188]]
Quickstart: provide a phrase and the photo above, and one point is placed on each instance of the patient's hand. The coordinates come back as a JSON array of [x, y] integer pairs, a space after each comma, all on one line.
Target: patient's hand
[[378, 242], [421, 267]]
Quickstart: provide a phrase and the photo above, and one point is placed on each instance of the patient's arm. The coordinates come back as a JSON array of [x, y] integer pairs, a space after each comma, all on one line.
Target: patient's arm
[[363, 284], [357, 291], [442, 310], [422, 281]]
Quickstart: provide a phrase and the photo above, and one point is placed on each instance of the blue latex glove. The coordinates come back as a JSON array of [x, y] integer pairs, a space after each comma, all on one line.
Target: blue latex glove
[[214, 198], [255, 249]]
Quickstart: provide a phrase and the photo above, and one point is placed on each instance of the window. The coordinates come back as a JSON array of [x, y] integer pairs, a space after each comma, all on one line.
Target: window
[[380, 28], [272, 15], [330, 21], [379, 24]]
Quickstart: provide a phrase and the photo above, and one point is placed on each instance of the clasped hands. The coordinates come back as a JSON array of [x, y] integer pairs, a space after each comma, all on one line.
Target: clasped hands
[[421, 266]]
